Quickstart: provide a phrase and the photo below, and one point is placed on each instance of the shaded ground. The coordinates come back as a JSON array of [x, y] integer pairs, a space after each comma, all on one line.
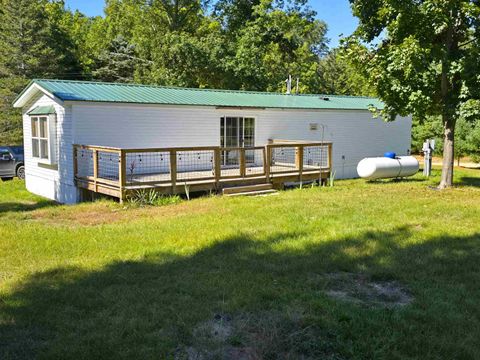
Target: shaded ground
[[360, 289]]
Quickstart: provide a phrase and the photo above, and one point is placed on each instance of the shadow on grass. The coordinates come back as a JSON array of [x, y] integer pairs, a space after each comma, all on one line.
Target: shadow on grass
[[469, 181], [399, 180], [6, 207], [148, 308]]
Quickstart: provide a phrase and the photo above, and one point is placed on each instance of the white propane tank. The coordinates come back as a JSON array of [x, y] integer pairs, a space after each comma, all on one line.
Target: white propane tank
[[384, 167]]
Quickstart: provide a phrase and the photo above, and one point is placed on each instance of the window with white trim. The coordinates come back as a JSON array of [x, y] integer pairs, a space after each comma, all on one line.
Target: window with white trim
[[40, 137]]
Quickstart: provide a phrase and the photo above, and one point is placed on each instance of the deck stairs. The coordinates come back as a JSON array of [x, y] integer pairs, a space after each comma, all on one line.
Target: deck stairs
[[250, 190]]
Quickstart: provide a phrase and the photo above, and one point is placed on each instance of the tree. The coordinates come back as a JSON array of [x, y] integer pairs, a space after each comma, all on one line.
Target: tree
[[337, 75], [462, 143], [427, 62], [474, 140], [233, 14], [181, 15], [65, 54], [117, 62], [10, 118], [428, 128], [278, 41], [88, 37], [29, 48], [25, 46]]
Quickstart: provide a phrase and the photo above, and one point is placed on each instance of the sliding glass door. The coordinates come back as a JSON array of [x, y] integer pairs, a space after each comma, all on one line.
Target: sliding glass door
[[237, 132]]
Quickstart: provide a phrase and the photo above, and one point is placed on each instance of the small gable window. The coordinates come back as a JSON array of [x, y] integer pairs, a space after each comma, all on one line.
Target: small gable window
[[43, 130], [40, 137]]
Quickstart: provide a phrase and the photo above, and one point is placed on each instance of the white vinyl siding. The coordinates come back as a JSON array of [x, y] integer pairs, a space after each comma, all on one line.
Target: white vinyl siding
[[56, 181], [355, 133]]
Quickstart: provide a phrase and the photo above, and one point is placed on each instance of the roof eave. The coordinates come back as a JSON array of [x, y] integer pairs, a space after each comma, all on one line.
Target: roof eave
[[32, 88], [218, 107]]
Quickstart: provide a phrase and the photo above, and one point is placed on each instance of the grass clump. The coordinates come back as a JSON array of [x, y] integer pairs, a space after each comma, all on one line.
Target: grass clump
[[150, 197]]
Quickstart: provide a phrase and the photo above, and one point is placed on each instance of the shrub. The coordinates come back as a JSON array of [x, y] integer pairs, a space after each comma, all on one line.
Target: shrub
[[144, 197]]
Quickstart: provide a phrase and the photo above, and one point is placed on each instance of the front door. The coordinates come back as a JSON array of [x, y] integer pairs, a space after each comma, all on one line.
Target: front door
[[237, 132]]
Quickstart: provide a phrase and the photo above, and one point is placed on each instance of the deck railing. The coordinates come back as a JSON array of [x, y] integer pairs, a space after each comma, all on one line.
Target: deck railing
[[122, 169]]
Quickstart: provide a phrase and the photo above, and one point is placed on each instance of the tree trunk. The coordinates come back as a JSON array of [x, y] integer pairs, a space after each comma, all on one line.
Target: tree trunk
[[448, 153], [450, 90]]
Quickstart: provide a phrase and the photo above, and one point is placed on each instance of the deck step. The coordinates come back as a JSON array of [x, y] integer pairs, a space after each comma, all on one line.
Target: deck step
[[246, 188], [255, 193]]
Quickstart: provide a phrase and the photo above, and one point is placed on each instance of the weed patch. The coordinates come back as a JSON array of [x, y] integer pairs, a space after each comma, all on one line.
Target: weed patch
[[361, 289]]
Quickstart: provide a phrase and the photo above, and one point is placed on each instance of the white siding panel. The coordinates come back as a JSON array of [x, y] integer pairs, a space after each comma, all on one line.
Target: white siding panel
[[355, 134], [58, 184], [139, 126]]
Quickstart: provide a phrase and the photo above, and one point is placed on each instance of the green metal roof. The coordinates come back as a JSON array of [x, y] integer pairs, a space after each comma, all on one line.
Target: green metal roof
[[68, 90], [43, 110]]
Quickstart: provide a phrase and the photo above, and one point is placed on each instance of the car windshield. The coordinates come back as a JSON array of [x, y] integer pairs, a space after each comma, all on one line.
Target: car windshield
[[17, 150]]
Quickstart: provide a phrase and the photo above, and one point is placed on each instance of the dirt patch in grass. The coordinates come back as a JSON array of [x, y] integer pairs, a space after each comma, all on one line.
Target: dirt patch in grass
[[361, 289], [108, 212], [252, 336]]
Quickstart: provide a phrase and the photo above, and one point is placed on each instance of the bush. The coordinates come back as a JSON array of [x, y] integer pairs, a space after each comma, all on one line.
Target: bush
[[144, 197]]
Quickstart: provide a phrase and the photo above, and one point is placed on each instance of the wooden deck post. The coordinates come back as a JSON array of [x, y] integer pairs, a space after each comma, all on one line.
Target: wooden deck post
[[242, 162], [267, 157], [330, 156], [95, 168], [173, 170], [122, 174], [217, 159], [329, 159], [75, 164], [299, 161]]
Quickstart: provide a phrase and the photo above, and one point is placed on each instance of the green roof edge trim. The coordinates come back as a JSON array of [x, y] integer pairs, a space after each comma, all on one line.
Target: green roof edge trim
[[43, 110]]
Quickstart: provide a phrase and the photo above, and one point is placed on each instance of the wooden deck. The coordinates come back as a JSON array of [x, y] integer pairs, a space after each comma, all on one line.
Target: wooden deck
[[117, 172]]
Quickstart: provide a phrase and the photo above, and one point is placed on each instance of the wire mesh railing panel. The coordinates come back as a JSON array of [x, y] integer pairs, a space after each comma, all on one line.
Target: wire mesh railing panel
[[283, 159], [143, 167], [108, 165], [230, 163], [315, 157], [254, 161], [195, 164], [84, 158]]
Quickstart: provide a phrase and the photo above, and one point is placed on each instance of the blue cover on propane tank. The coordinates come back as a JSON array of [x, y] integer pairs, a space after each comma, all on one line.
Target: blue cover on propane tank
[[390, 155]]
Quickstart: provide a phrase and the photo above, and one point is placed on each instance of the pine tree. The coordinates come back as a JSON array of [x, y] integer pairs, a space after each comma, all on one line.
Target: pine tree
[[117, 62], [25, 46], [32, 45], [24, 51]]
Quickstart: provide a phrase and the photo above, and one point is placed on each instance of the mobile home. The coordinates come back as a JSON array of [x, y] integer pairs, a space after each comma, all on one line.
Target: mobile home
[[110, 138]]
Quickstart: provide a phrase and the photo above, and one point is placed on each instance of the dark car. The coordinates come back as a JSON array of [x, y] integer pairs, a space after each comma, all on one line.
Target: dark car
[[11, 162]]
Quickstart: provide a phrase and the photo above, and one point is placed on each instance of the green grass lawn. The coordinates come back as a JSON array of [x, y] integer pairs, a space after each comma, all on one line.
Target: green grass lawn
[[103, 281]]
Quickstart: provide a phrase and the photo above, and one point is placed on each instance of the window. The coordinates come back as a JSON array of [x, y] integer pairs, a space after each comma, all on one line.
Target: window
[[40, 137], [4, 153]]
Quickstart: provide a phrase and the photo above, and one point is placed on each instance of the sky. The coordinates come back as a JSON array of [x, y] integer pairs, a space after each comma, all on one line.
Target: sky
[[336, 13]]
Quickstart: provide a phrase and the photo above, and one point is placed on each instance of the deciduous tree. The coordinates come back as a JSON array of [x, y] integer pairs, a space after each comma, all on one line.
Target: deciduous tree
[[427, 61]]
